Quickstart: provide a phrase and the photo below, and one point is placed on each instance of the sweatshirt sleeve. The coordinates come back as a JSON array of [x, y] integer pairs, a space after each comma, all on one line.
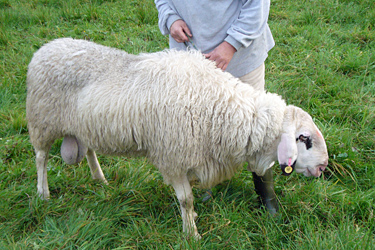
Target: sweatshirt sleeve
[[250, 24], [167, 16]]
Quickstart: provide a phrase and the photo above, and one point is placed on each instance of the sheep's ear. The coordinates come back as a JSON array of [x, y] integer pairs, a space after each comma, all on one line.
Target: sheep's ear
[[287, 152]]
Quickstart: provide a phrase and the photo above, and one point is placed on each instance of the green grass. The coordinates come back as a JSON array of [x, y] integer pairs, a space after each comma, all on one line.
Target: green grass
[[323, 62]]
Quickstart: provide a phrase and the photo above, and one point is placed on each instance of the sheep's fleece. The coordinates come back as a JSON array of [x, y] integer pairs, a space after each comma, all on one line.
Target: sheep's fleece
[[196, 123]]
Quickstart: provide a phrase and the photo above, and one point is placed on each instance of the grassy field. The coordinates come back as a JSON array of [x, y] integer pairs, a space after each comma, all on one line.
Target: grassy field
[[323, 62]]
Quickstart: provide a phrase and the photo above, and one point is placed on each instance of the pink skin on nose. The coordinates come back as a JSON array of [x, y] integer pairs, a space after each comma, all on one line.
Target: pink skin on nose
[[323, 166], [315, 172], [318, 170]]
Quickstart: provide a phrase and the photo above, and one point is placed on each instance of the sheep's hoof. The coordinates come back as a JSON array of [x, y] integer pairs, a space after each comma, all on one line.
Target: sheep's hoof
[[207, 195], [195, 216], [197, 236], [72, 150], [43, 195], [101, 180]]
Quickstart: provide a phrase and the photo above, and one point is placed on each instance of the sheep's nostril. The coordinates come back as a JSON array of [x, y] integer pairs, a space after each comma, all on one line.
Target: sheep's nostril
[[322, 168]]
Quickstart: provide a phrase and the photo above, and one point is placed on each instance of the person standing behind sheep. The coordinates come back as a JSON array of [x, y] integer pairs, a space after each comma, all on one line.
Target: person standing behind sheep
[[235, 34]]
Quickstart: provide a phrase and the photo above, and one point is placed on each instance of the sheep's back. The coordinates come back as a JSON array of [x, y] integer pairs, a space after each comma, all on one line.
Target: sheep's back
[[58, 73]]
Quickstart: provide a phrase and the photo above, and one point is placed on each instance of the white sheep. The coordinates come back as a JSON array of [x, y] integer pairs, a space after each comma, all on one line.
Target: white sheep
[[196, 123]]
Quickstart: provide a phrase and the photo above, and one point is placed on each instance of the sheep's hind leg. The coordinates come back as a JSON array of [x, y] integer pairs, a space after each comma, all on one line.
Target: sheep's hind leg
[[41, 166], [185, 196], [96, 171]]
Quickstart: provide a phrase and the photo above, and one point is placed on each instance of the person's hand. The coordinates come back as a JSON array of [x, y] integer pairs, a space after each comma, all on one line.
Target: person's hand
[[178, 31], [222, 55]]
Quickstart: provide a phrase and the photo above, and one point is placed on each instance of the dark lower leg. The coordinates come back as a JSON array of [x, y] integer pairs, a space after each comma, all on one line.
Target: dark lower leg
[[264, 188]]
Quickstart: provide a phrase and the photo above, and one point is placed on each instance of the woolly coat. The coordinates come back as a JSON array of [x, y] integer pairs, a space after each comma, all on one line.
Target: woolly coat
[[175, 107]]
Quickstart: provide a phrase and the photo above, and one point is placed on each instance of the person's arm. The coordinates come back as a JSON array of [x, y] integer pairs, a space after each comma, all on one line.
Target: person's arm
[[171, 23], [179, 31], [249, 25], [166, 16], [222, 55]]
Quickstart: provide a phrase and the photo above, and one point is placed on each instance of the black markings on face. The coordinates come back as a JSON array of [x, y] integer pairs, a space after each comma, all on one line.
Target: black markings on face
[[307, 140]]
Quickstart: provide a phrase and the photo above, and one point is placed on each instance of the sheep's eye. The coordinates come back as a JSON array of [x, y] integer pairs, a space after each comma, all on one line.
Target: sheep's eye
[[307, 140]]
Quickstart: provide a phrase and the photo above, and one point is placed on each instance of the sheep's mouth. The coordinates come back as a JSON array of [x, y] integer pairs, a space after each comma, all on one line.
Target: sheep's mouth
[[322, 167], [317, 171]]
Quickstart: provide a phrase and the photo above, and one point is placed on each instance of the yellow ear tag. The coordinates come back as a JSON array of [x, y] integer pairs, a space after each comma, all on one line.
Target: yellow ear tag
[[288, 169]]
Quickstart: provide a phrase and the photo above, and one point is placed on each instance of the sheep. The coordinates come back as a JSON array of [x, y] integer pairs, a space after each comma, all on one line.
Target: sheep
[[197, 124]]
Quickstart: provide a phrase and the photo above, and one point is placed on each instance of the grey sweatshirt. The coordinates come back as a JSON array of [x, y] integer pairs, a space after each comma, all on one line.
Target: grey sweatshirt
[[241, 23]]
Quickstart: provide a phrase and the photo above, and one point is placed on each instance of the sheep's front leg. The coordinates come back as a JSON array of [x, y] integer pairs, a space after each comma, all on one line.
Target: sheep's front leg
[[185, 196], [96, 171], [41, 166]]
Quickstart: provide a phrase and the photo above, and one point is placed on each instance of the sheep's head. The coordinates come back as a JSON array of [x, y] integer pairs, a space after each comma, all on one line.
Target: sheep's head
[[302, 147]]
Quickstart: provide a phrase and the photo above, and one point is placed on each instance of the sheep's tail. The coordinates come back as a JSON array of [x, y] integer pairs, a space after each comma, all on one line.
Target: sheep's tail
[[72, 150]]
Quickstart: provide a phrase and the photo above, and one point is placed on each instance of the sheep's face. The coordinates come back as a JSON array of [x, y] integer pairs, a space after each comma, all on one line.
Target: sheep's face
[[312, 156], [302, 147]]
